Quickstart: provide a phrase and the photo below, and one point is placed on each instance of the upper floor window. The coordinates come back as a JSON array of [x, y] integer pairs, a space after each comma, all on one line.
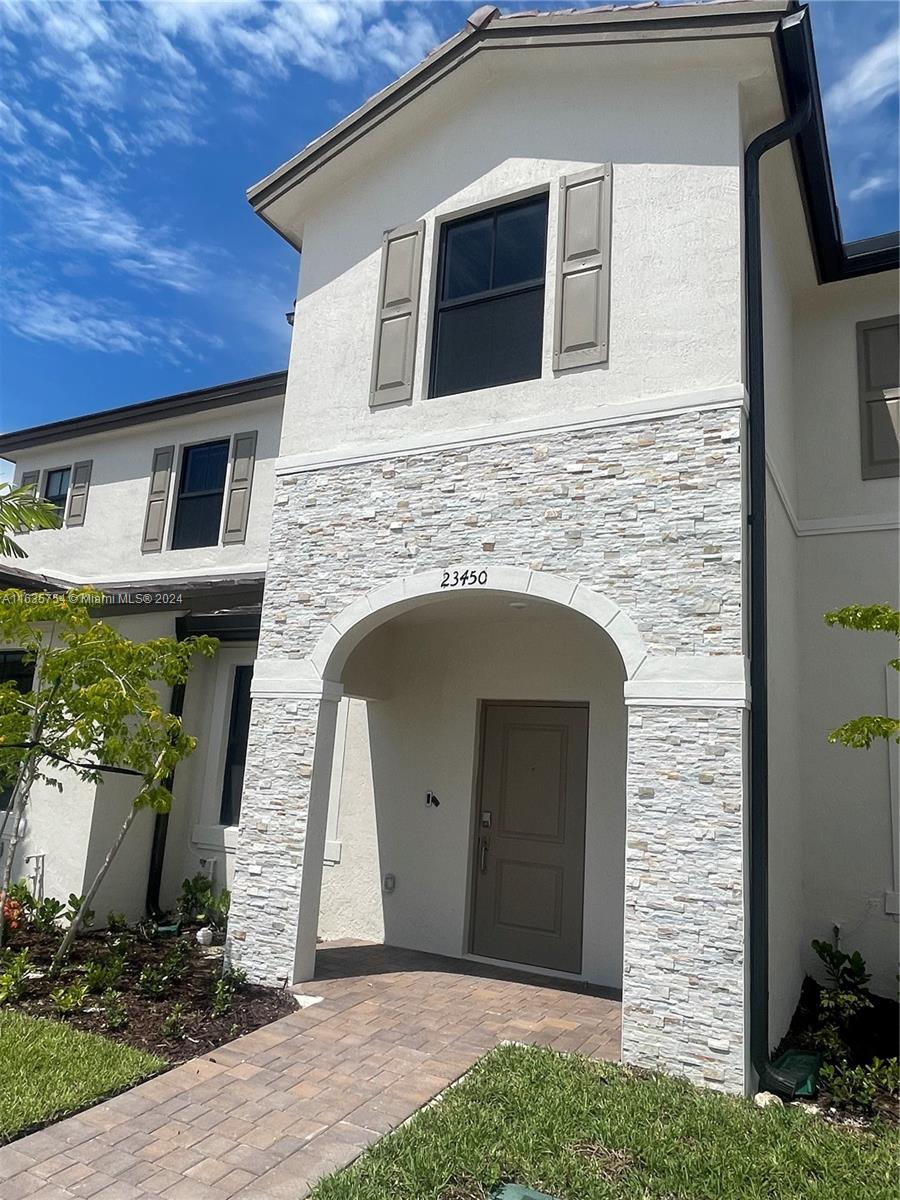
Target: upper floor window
[[56, 488], [489, 314], [878, 356], [201, 491]]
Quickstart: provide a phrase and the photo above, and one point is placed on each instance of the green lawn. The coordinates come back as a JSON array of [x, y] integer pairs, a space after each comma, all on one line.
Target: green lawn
[[581, 1130], [48, 1069]]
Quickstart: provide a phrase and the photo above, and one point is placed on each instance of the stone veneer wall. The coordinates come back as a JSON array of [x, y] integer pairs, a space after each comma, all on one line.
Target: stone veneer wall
[[647, 513], [650, 515], [683, 985]]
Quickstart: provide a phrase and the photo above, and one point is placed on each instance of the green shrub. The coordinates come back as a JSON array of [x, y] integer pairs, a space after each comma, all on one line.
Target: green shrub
[[235, 978], [222, 998], [115, 1014], [200, 903], [13, 970], [101, 974], [177, 959], [75, 903], [153, 982], [45, 914], [859, 1087], [174, 1026], [841, 1003], [116, 922], [69, 999]]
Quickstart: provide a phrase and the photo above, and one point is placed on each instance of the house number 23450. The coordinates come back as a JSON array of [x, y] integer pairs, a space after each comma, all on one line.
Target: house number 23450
[[465, 578]]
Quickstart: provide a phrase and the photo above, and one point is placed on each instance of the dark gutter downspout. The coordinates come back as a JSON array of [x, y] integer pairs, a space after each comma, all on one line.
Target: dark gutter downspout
[[161, 825], [759, 710]]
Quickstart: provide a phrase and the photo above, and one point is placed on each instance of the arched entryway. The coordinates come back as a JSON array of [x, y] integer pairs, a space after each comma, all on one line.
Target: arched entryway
[[477, 801], [444, 681]]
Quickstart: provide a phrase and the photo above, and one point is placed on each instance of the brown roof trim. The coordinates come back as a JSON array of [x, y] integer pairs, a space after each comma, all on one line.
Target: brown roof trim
[[241, 391], [486, 29]]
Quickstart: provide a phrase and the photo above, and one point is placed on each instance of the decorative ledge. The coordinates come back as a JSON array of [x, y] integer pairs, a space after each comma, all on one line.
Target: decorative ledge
[[691, 681]]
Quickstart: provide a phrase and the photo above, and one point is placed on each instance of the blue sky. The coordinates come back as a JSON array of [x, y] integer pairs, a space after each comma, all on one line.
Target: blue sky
[[132, 265]]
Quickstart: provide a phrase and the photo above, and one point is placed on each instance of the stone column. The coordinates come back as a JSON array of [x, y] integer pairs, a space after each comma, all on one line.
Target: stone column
[[684, 994], [278, 867]]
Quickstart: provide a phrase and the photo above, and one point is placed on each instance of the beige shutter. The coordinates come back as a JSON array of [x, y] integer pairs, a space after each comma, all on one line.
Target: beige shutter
[[78, 492], [878, 357], [398, 311], [158, 499], [30, 479], [581, 328], [237, 504]]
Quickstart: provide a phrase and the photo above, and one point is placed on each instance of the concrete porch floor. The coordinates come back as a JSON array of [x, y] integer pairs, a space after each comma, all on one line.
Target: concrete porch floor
[[266, 1116]]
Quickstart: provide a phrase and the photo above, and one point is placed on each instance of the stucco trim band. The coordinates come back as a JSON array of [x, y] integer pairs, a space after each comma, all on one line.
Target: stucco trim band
[[691, 681], [610, 415]]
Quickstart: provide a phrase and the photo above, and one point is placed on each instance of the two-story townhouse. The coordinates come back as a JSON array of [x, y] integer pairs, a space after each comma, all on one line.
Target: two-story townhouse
[[531, 520], [590, 415], [164, 508]]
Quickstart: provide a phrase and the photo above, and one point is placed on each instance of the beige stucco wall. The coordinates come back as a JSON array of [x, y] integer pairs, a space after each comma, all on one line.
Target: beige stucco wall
[[422, 737], [675, 261]]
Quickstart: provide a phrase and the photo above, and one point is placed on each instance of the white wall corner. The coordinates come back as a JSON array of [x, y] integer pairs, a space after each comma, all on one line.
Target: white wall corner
[[691, 680]]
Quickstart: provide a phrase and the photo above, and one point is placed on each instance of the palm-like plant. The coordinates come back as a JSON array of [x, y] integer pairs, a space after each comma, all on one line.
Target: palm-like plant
[[21, 511]]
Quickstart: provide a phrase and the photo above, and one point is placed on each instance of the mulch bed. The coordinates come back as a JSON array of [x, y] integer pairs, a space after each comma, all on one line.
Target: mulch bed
[[252, 1006]]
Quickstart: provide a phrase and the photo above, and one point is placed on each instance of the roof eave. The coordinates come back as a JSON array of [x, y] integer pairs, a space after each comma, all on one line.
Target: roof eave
[[241, 391], [486, 28]]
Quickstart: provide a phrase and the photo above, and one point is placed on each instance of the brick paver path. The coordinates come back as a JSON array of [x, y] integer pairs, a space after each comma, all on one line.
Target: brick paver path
[[267, 1115]]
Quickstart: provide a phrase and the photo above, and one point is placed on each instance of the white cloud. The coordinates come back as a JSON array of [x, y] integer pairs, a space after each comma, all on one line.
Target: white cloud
[[73, 215], [873, 77], [872, 186], [46, 314]]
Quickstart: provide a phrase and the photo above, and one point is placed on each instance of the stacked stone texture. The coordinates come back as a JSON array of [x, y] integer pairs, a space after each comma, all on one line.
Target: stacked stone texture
[[683, 984], [647, 513]]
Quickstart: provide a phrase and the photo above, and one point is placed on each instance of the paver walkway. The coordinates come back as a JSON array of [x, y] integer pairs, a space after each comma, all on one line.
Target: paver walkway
[[267, 1115]]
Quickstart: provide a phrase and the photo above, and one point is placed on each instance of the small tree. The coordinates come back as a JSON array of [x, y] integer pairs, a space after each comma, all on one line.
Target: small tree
[[860, 732], [21, 510], [94, 708]]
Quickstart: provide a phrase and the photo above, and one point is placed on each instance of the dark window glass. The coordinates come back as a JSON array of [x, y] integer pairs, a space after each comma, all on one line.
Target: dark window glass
[[489, 317], [14, 668], [236, 753], [198, 510], [56, 488]]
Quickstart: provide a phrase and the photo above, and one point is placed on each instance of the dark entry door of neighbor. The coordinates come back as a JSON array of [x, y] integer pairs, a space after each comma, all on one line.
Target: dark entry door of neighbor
[[529, 864]]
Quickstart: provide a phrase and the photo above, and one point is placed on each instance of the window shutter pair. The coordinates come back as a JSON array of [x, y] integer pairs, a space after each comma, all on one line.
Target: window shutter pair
[[581, 319], [79, 486], [878, 357], [237, 498]]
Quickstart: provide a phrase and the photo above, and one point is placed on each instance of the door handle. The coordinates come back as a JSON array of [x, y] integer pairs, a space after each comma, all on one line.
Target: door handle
[[485, 845]]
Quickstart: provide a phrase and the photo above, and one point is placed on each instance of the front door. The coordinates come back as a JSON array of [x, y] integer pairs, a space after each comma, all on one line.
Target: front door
[[529, 864]]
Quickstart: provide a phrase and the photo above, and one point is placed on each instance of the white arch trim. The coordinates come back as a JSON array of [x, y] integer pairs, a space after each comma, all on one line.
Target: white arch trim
[[352, 624], [707, 680]]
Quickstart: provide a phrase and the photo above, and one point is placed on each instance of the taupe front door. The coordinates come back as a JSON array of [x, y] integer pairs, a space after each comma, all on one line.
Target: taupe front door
[[529, 849]]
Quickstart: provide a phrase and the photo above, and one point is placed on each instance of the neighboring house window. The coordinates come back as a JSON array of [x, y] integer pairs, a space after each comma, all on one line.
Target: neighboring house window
[[56, 488], [201, 489], [489, 315], [14, 668], [236, 752], [878, 358]]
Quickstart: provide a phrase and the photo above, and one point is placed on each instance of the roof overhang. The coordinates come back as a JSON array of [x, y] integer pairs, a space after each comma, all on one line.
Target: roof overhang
[[784, 23], [242, 391]]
